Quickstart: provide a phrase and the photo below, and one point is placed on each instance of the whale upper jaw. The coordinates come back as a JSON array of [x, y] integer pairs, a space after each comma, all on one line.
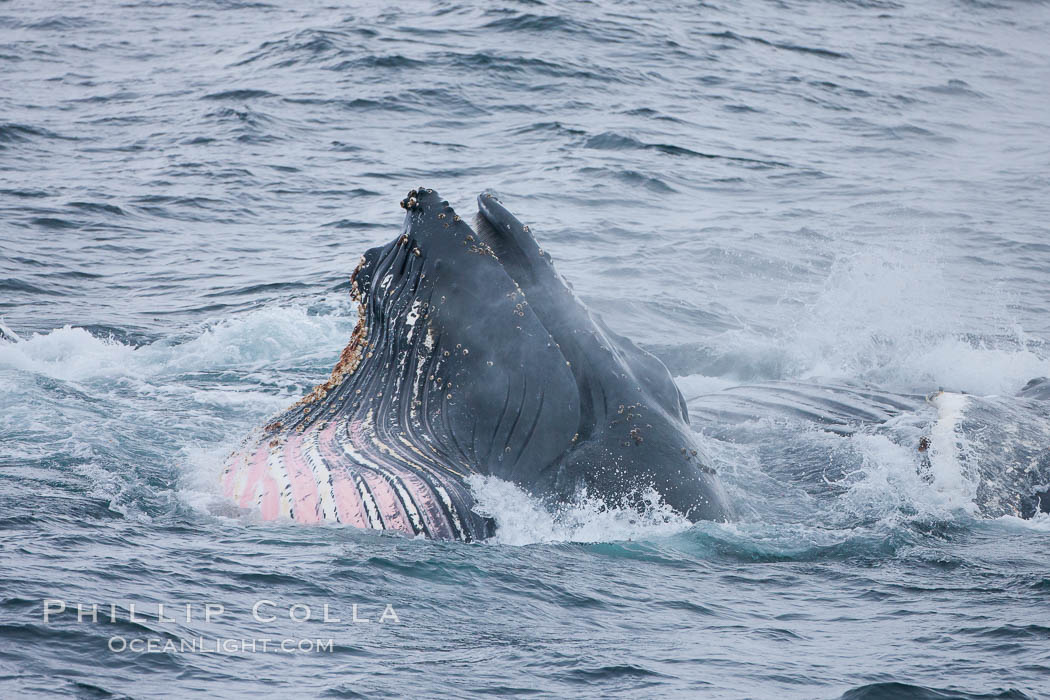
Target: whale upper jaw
[[499, 245]]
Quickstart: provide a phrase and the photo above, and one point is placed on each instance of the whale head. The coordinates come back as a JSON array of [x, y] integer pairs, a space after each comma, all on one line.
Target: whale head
[[471, 348]]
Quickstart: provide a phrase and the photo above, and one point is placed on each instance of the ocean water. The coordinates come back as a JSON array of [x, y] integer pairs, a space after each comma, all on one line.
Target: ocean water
[[818, 213]]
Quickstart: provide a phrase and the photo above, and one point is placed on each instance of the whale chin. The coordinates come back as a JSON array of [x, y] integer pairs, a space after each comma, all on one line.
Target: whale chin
[[471, 355]]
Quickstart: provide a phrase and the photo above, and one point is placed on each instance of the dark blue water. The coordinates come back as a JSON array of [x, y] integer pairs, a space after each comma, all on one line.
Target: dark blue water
[[816, 212]]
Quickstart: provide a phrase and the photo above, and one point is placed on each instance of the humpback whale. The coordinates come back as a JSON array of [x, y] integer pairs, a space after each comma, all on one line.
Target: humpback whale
[[472, 356]]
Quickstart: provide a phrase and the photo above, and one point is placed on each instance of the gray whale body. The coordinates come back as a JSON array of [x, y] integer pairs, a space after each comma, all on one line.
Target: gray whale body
[[472, 356]]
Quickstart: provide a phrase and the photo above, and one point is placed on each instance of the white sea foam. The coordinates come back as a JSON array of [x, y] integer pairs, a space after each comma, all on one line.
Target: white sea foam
[[947, 448], [69, 353], [696, 384], [199, 483], [522, 519], [1040, 522], [249, 341]]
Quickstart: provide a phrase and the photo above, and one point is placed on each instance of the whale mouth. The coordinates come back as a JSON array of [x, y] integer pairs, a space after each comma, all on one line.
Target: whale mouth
[[471, 355]]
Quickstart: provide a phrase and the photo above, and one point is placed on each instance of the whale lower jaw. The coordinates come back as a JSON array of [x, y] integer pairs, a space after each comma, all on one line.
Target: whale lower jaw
[[339, 472]]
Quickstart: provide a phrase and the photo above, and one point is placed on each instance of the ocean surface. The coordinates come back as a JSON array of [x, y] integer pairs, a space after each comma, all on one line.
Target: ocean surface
[[818, 213]]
